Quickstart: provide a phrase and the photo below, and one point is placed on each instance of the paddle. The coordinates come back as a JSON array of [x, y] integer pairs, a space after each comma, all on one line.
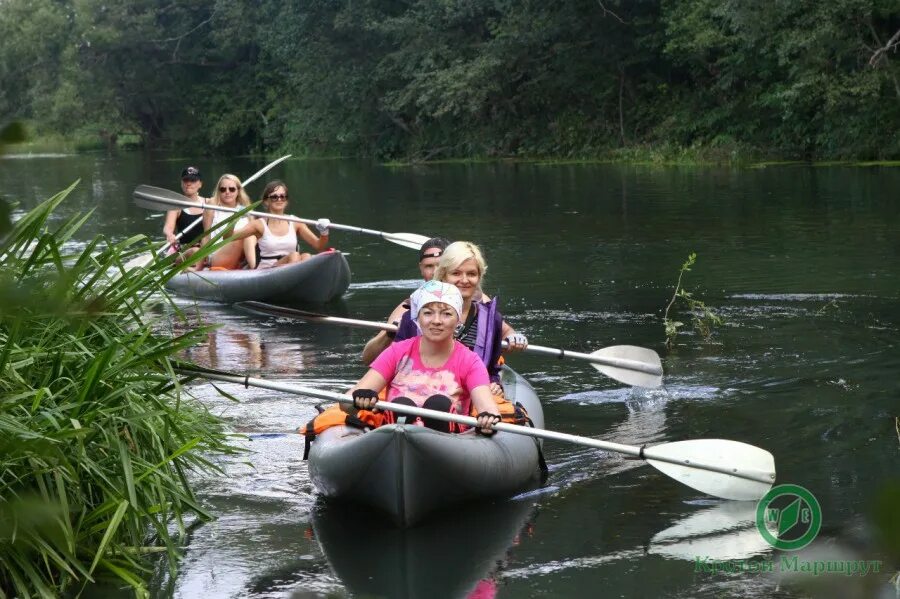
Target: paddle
[[145, 259], [719, 467], [629, 364], [156, 198]]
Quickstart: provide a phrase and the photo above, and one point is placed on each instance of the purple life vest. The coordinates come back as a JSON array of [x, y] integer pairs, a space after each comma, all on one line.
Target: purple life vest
[[488, 342]]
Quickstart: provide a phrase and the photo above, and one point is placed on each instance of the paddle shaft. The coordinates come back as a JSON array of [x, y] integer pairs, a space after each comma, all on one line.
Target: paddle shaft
[[287, 217], [165, 247], [608, 361], [644, 453], [537, 349]]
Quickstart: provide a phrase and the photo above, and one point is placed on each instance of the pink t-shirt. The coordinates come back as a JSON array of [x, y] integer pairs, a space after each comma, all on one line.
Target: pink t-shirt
[[401, 365]]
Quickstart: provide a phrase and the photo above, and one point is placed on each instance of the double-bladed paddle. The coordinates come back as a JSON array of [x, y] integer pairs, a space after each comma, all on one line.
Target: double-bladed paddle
[[719, 467], [157, 198], [629, 364], [145, 259]]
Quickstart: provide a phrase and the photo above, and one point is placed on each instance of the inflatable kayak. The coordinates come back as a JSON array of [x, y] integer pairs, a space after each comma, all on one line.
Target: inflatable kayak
[[322, 278], [408, 471], [448, 556]]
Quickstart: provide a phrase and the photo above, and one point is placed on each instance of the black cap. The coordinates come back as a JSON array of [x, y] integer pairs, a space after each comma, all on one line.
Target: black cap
[[440, 243], [192, 173]]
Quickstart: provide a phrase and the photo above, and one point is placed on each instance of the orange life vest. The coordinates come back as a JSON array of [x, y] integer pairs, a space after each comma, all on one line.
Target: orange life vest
[[334, 416]]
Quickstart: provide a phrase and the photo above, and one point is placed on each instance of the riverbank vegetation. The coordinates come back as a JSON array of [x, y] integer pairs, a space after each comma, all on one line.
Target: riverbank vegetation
[[98, 442], [425, 80]]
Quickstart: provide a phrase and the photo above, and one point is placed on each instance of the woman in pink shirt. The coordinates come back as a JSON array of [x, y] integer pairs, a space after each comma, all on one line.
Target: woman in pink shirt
[[432, 370]]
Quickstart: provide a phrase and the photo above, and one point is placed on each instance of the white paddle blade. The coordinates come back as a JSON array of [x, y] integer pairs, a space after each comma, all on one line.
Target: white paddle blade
[[159, 199], [727, 469], [630, 376], [409, 240], [141, 261]]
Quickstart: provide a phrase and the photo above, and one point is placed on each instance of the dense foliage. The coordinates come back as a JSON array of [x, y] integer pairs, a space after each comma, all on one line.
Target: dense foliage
[[97, 436], [449, 78]]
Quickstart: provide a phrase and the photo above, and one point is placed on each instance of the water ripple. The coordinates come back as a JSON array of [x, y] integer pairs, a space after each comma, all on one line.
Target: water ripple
[[797, 297], [389, 284]]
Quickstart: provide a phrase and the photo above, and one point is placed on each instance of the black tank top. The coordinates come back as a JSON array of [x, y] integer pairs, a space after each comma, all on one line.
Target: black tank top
[[185, 220]]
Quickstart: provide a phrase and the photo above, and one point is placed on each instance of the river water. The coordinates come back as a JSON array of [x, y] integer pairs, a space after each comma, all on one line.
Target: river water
[[802, 263]]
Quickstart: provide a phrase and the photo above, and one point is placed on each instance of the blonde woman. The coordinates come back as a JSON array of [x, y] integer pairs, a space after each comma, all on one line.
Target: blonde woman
[[429, 256], [229, 193], [482, 328]]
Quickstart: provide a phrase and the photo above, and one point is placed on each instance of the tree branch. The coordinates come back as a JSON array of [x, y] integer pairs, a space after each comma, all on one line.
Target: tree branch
[[621, 112], [606, 11], [892, 44], [180, 38]]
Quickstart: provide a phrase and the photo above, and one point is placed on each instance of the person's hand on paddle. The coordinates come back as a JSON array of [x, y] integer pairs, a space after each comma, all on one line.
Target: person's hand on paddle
[[322, 226], [486, 422], [495, 388], [516, 342], [171, 238], [364, 399]]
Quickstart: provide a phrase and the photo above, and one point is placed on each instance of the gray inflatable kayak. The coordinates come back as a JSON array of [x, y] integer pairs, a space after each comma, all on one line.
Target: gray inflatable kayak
[[409, 471], [322, 278]]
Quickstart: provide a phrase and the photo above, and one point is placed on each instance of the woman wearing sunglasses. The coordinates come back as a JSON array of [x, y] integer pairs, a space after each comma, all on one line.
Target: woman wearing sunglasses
[[229, 193], [277, 239]]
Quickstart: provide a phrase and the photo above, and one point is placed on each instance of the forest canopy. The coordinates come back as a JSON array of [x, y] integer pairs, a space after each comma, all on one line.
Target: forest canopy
[[428, 79]]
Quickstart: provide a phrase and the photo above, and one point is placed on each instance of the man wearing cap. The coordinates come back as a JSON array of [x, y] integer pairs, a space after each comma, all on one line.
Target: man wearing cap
[[181, 228], [432, 370], [429, 256]]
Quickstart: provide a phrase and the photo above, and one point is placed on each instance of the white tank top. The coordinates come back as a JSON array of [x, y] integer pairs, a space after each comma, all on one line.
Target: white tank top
[[219, 216], [273, 247]]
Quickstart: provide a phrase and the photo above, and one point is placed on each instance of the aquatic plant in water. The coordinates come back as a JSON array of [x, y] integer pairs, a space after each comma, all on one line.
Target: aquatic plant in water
[[98, 437], [703, 318]]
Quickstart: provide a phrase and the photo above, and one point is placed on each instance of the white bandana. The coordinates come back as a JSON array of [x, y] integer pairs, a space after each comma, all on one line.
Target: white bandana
[[435, 291]]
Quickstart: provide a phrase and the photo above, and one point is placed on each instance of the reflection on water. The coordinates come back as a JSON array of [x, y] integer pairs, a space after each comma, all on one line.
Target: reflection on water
[[726, 531], [226, 347], [453, 555], [723, 532], [260, 540], [234, 347]]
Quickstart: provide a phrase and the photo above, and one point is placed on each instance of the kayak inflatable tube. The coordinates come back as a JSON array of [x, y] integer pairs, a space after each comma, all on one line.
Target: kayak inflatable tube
[[320, 279]]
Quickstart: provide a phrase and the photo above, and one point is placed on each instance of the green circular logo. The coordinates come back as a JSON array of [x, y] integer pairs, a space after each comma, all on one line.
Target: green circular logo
[[794, 514]]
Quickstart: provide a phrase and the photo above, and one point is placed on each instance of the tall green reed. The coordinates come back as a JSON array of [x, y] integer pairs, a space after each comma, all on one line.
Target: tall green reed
[[98, 436], [702, 316]]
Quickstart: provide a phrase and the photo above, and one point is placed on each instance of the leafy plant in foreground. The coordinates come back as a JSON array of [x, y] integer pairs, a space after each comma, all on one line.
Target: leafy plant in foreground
[[97, 435], [702, 317]]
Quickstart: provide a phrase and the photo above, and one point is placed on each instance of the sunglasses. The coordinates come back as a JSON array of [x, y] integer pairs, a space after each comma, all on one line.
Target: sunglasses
[[278, 196], [224, 189], [186, 180]]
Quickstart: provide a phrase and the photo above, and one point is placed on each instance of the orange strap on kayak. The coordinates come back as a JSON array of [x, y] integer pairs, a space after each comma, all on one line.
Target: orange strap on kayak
[[509, 412], [334, 416]]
